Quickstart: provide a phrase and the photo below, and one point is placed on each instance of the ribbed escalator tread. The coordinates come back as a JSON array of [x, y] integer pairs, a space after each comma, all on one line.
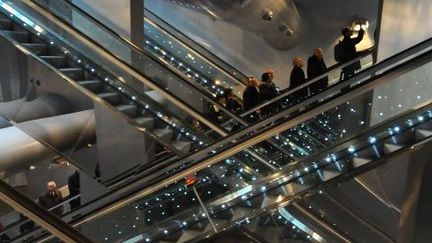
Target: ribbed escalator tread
[[165, 134], [129, 110], [56, 61], [183, 146], [36, 48], [20, 36], [110, 97], [92, 85], [145, 121]]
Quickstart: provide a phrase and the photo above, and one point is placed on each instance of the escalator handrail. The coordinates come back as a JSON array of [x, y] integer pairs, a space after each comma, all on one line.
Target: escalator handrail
[[154, 186], [157, 21], [135, 73], [414, 50]]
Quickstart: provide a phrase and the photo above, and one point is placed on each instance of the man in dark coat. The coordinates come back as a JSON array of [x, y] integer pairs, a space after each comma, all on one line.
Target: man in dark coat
[[52, 197], [298, 78], [350, 52], [250, 94], [267, 91], [251, 98], [74, 189], [316, 66]]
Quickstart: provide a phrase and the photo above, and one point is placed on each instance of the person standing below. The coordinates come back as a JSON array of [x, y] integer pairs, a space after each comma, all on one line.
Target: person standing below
[[267, 91], [349, 51], [298, 78], [52, 197], [74, 189], [316, 67]]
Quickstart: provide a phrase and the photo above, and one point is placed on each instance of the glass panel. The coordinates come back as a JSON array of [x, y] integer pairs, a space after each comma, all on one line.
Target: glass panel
[[240, 196], [40, 174], [189, 46], [155, 68]]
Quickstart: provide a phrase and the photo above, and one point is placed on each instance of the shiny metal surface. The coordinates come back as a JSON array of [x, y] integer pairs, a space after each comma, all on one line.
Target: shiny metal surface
[[276, 21]]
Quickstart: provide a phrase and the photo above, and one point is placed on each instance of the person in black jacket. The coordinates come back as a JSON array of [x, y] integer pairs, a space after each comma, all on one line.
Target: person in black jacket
[[250, 94], [231, 102], [52, 197], [315, 67], [74, 189], [251, 98], [350, 52], [267, 91], [298, 78]]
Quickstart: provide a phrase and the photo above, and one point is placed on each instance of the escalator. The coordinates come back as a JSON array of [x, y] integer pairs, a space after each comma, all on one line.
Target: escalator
[[169, 210], [277, 149], [105, 88], [224, 168]]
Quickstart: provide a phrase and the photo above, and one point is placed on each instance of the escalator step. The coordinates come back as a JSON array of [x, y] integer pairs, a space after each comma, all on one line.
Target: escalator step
[[330, 174], [147, 122], [36, 48], [421, 134], [56, 61], [112, 98], [6, 24], [200, 226], [76, 74], [189, 235], [165, 134], [182, 146], [94, 86], [20, 36], [389, 148], [129, 110]]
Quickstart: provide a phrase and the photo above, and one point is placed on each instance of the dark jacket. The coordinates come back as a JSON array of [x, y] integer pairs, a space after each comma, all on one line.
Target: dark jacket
[[348, 45], [267, 92], [74, 189], [349, 53], [315, 67], [250, 97], [298, 78], [233, 105], [49, 200]]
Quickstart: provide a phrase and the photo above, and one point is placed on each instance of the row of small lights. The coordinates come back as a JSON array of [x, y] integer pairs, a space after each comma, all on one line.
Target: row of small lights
[[214, 87], [331, 159]]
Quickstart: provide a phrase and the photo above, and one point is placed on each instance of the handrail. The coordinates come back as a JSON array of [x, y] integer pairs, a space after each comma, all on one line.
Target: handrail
[[382, 78], [363, 74], [48, 221], [102, 51], [365, 87]]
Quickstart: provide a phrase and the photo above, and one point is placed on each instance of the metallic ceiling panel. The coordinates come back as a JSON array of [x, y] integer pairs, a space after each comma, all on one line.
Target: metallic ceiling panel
[[276, 21]]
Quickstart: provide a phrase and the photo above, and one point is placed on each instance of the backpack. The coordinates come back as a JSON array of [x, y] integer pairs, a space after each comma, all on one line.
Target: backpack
[[339, 52]]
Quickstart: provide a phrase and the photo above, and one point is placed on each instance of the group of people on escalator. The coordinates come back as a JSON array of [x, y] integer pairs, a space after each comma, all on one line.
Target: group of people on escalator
[[257, 93]]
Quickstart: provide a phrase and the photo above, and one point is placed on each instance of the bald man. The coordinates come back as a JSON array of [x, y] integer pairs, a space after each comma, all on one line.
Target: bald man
[[51, 198], [298, 78], [316, 66]]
